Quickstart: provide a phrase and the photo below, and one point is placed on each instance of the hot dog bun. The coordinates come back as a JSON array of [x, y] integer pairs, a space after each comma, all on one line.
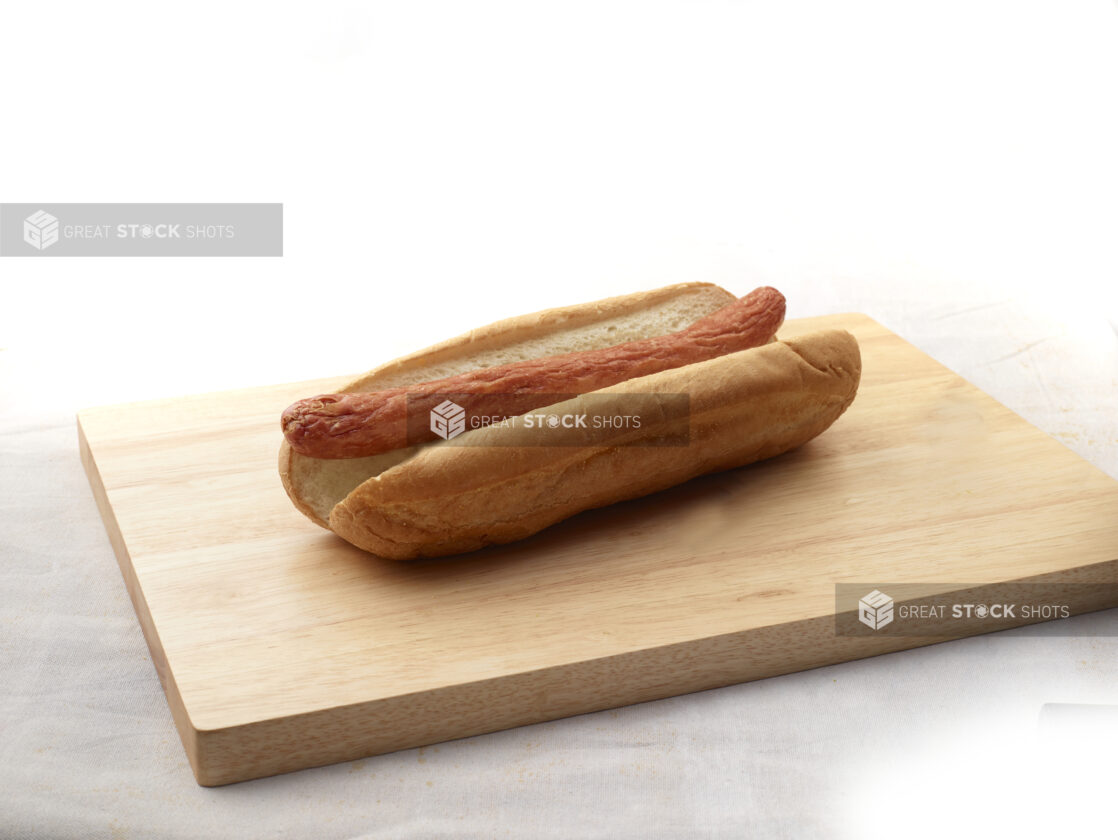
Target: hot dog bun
[[441, 499], [316, 485]]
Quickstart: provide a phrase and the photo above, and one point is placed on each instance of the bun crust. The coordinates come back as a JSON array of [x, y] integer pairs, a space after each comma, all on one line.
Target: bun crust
[[744, 407]]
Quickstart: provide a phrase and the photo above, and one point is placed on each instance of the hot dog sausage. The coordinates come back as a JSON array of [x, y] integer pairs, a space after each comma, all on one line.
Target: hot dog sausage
[[358, 425]]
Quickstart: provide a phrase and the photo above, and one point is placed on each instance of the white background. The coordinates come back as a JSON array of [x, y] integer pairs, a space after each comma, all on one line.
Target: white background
[[949, 168]]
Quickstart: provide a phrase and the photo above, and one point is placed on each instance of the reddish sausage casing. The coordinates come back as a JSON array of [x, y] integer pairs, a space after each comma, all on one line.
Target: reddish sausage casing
[[358, 425]]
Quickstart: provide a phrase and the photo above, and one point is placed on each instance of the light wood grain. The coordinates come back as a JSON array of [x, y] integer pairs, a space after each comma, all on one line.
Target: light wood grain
[[282, 647]]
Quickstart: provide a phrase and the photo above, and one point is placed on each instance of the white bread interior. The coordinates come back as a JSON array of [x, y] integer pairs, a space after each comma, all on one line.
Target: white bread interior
[[316, 486]]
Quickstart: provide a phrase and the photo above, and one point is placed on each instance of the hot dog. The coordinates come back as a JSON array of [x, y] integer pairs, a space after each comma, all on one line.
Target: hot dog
[[363, 424], [749, 398]]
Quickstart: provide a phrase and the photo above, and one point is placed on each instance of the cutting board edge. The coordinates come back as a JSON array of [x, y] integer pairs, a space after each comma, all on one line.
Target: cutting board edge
[[188, 734], [285, 744]]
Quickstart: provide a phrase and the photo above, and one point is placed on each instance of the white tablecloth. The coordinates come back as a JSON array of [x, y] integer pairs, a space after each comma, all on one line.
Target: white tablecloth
[[947, 169]]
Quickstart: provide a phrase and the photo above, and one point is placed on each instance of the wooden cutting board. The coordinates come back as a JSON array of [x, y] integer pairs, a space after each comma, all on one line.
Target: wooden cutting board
[[282, 647]]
